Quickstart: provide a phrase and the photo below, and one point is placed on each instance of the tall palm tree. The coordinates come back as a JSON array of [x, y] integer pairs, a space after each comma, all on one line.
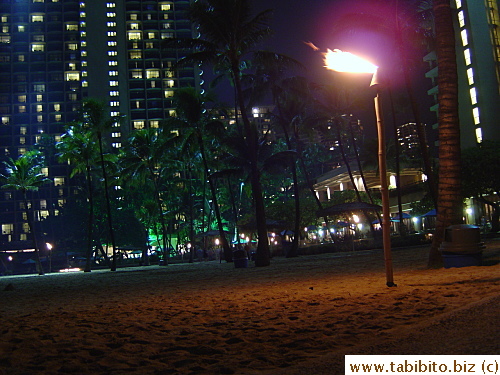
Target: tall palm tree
[[95, 118], [140, 160], [77, 148], [229, 32], [449, 207], [195, 125], [25, 174]]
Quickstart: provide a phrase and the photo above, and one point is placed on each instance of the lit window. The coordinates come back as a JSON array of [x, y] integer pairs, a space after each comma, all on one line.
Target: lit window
[[164, 7], [116, 135], [133, 17], [113, 93], [114, 114], [21, 98], [150, 45], [72, 27], [57, 107], [36, 18], [113, 83], [111, 24], [82, 15], [5, 120], [479, 135], [111, 33], [21, 28], [153, 73], [111, 14], [58, 117], [134, 35], [154, 124], [167, 35], [467, 57], [465, 40], [116, 145], [113, 73], [22, 140], [169, 93], [112, 53], [112, 43], [170, 83], [72, 46], [135, 54], [20, 58], [72, 76], [23, 130], [461, 18], [39, 118], [39, 97], [110, 5], [136, 73], [37, 47], [134, 26], [39, 108], [22, 109], [5, 39], [139, 124], [39, 87], [475, 114], [473, 95], [7, 228], [58, 181], [151, 35], [172, 113], [166, 25], [114, 104], [470, 76], [22, 150]]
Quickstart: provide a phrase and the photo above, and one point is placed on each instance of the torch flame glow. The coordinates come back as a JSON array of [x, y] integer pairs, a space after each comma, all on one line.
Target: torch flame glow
[[341, 61]]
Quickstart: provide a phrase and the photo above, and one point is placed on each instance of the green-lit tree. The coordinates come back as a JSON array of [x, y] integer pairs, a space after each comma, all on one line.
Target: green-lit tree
[[25, 175], [77, 148], [141, 160]]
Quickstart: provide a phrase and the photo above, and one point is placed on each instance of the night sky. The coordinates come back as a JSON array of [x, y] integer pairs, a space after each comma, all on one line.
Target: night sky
[[295, 22]]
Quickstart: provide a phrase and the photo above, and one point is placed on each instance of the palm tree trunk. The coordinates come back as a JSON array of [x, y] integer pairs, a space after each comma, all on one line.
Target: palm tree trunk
[[449, 199], [108, 204], [263, 253], [402, 227], [88, 263], [344, 158], [155, 177], [31, 224], [228, 255]]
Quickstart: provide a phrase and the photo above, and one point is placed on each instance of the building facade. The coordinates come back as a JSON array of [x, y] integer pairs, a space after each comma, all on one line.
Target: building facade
[[55, 53], [477, 26]]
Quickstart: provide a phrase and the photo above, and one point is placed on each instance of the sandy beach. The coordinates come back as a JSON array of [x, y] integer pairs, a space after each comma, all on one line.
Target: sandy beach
[[298, 316]]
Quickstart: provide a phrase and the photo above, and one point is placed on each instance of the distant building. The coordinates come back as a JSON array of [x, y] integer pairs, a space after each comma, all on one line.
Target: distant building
[[55, 53], [408, 140]]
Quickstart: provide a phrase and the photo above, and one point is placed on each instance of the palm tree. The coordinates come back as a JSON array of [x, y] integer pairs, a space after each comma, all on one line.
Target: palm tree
[[449, 207], [94, 117], [77, 148], [25, 174], [229, 33], [140, 160], [194, 126]]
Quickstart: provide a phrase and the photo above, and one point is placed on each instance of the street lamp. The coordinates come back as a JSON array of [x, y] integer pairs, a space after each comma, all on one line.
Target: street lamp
[[341, 61]]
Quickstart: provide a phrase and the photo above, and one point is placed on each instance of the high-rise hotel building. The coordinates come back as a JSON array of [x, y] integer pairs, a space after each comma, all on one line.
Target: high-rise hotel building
[[55, 53], [477, 29]]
